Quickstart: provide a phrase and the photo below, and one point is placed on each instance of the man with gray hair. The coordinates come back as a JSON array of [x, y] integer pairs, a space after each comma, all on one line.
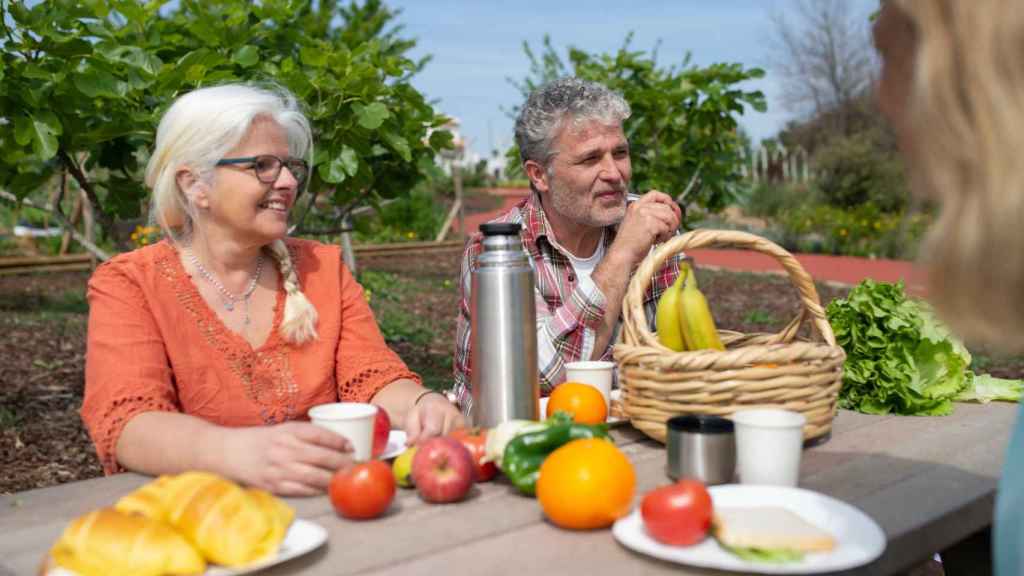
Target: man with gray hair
[[584, 232]]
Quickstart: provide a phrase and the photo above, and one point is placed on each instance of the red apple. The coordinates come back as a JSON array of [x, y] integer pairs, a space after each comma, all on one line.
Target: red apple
[[381, 430], [443, 470]]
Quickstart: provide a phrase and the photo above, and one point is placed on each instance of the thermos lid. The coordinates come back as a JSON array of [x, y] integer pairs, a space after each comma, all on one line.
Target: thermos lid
[[700, 423], [500, 229]]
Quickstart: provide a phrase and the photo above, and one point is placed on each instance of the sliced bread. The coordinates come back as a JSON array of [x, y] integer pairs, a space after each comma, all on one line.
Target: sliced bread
[[769, 528]]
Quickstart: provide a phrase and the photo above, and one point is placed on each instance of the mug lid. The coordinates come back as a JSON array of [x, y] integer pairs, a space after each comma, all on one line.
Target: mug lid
[[701, 424]]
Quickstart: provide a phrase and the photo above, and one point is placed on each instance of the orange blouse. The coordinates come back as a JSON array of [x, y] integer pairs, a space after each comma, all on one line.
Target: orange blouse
[[155, 345]]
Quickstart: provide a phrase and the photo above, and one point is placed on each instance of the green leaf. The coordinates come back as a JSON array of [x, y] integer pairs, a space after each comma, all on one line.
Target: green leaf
[[36, 72], [985, 388], [95, 83], [41, 131], [441, 140], [399, 144], [333, 172], [247, 56], [762, 555], [69, 48], [195, 73], [23, 130], [313, 56], [349, 160], [372, 116]]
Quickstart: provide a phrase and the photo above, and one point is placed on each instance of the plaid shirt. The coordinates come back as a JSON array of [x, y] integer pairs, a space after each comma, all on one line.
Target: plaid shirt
[[569, 308]]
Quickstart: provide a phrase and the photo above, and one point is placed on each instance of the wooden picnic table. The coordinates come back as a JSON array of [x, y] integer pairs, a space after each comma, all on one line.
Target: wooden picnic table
[[928, 481]]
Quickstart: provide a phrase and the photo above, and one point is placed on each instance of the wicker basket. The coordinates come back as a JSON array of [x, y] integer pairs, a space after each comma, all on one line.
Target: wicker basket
[[756, 370]]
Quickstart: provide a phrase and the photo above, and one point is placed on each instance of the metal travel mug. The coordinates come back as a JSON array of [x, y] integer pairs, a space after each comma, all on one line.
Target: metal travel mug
[[702, 447], [503, 330]]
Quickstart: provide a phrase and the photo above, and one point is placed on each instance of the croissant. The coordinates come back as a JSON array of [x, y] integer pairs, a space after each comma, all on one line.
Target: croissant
[[148, 500], [107, 541], [229, 525]]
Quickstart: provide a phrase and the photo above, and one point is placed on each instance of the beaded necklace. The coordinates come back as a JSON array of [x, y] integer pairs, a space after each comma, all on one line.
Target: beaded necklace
[[229, 299]]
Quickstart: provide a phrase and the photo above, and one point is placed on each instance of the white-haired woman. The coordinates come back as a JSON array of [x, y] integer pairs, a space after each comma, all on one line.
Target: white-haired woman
[[952, 85], [206, 350]]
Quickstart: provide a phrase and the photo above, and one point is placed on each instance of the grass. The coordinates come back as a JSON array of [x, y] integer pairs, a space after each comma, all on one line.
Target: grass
[[8, 418], [70, 302], [385, 292], [758, 316]]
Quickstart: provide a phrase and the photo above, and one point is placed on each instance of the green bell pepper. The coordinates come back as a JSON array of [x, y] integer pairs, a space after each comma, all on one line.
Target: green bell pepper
[[525, 453]]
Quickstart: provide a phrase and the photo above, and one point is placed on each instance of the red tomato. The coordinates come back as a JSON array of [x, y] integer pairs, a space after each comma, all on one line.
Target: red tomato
[[475, 440], [381, 430], [678, 514], [362, 491]]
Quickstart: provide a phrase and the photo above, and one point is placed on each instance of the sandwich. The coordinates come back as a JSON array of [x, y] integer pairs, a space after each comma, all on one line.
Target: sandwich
[[768, 534]]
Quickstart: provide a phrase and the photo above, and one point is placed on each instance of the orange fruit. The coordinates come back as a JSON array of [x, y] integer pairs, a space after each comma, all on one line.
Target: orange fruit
[[584, 402], [586, 484]]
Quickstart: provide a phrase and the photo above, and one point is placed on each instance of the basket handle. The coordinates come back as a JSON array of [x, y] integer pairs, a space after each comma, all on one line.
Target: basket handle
[[635, 322]]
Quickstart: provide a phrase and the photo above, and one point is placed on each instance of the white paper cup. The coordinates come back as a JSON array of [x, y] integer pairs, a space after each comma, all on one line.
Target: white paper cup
[[768, 446], [352, 420], [597, 373]]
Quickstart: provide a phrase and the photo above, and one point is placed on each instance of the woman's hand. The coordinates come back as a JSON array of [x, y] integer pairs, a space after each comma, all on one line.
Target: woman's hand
[[431, 415], [290, 459]]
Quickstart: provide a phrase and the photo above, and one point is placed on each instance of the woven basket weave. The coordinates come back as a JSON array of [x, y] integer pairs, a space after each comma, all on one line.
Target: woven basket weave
[[755, 370]]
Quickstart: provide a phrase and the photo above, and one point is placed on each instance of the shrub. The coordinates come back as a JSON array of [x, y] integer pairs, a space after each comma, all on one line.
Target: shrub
[[858, 169], [767, 199], [862, 231], [416, 217]]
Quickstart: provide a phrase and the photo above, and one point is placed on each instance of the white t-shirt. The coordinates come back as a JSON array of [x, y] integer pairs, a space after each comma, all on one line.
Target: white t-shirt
[[584, 268]]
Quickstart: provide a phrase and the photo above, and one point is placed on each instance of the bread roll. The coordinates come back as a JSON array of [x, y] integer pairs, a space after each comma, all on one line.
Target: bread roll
[[106, 541]]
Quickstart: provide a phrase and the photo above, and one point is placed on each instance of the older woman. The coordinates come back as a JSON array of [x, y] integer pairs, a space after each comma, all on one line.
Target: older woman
[[952, 85], [206, 350]]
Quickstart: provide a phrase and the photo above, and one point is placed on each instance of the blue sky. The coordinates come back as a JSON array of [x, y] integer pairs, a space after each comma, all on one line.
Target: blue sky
[[477, 44]]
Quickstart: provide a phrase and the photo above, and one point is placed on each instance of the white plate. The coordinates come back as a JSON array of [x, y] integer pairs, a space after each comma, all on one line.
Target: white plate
[[616, 395], [303, 536], [859, 539], [396, 445]]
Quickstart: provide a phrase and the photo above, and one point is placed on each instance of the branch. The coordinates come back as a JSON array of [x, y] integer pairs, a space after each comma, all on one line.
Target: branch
[[105, 219], [7, 31], [309, 207], [328, 232], [89, 246], [693, 182], [355, 202]]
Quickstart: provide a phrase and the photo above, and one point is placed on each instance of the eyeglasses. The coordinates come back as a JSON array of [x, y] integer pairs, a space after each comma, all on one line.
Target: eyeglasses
[[268, 167]]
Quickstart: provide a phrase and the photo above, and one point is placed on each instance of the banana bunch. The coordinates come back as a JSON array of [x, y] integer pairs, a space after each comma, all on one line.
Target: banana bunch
[[683, 317]]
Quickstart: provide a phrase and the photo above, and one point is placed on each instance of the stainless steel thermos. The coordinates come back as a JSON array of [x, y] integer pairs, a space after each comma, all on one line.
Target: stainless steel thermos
[[503, 325]]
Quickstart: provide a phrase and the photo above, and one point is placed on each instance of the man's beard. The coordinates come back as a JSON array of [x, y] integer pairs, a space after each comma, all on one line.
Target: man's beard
[[586, 212]]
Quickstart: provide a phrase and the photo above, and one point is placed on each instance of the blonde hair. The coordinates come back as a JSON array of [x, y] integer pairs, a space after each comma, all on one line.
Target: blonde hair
[[197, 130], [965, 112]]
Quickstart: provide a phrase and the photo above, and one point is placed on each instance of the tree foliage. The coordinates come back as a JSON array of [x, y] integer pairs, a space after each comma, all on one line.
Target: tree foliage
[[83, 84], [682, 132]]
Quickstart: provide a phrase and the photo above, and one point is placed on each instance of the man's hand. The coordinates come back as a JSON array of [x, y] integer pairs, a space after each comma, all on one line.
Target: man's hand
[[652, 219]]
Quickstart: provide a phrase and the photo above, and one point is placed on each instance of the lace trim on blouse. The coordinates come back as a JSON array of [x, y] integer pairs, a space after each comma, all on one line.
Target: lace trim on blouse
[[265, 373]]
